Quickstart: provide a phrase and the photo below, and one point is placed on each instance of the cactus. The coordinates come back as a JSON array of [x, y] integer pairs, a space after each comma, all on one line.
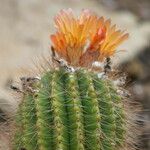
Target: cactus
[[73, 111], [71, 107]]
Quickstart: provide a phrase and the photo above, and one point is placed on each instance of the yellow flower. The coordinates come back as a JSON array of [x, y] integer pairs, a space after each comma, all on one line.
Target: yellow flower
[[83, 40]]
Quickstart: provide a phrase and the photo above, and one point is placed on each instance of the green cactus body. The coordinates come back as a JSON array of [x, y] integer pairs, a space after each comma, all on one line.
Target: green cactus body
[[71, 111]]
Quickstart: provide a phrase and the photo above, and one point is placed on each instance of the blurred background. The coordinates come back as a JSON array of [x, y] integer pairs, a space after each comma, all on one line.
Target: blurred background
[[25, 26]]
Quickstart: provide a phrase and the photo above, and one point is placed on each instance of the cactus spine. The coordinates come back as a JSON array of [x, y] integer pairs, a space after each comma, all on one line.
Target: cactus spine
[[71, 111]]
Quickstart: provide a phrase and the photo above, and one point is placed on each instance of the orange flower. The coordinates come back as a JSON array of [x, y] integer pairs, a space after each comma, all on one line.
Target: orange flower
[[83, 40]]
